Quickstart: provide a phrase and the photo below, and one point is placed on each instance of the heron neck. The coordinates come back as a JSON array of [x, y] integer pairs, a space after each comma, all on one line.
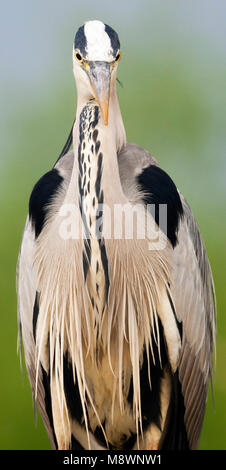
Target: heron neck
[[115, 129], [96, 147]]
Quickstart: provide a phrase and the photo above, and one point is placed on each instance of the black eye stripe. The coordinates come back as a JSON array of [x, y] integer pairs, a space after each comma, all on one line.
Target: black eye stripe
[[115, 44], [80, 42]]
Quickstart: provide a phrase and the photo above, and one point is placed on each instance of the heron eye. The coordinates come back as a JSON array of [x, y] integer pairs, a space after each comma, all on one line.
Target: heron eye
[[118, 57], [78, 56]]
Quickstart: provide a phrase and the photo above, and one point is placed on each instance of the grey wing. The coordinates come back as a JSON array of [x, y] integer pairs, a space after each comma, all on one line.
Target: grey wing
[[27, 314], [26, 293], [194, 297]]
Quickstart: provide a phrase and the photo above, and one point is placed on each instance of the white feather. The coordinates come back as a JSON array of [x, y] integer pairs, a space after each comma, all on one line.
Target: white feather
[[98, 41]]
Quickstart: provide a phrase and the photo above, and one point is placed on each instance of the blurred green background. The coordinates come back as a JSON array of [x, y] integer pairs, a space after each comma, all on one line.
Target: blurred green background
[[173, 102]]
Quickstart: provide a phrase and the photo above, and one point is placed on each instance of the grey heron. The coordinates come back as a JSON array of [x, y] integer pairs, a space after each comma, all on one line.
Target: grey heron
[[118, 330]]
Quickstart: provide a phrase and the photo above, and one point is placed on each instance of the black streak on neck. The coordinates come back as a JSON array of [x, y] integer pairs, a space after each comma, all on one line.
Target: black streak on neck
[[89, 119]]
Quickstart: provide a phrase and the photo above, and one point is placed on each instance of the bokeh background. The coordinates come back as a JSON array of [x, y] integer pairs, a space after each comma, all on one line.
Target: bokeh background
[[173, 103]]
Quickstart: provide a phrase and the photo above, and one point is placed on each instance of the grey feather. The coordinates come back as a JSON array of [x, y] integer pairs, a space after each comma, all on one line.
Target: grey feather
[[194, 297], [26, 290]]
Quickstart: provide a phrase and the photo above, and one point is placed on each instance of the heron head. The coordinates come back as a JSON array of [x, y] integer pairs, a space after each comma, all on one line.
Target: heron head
[[96, 54]]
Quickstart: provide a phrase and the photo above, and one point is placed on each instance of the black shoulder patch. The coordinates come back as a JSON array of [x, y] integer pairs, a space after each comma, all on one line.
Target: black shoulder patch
[[158, 188], [41, 196]]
